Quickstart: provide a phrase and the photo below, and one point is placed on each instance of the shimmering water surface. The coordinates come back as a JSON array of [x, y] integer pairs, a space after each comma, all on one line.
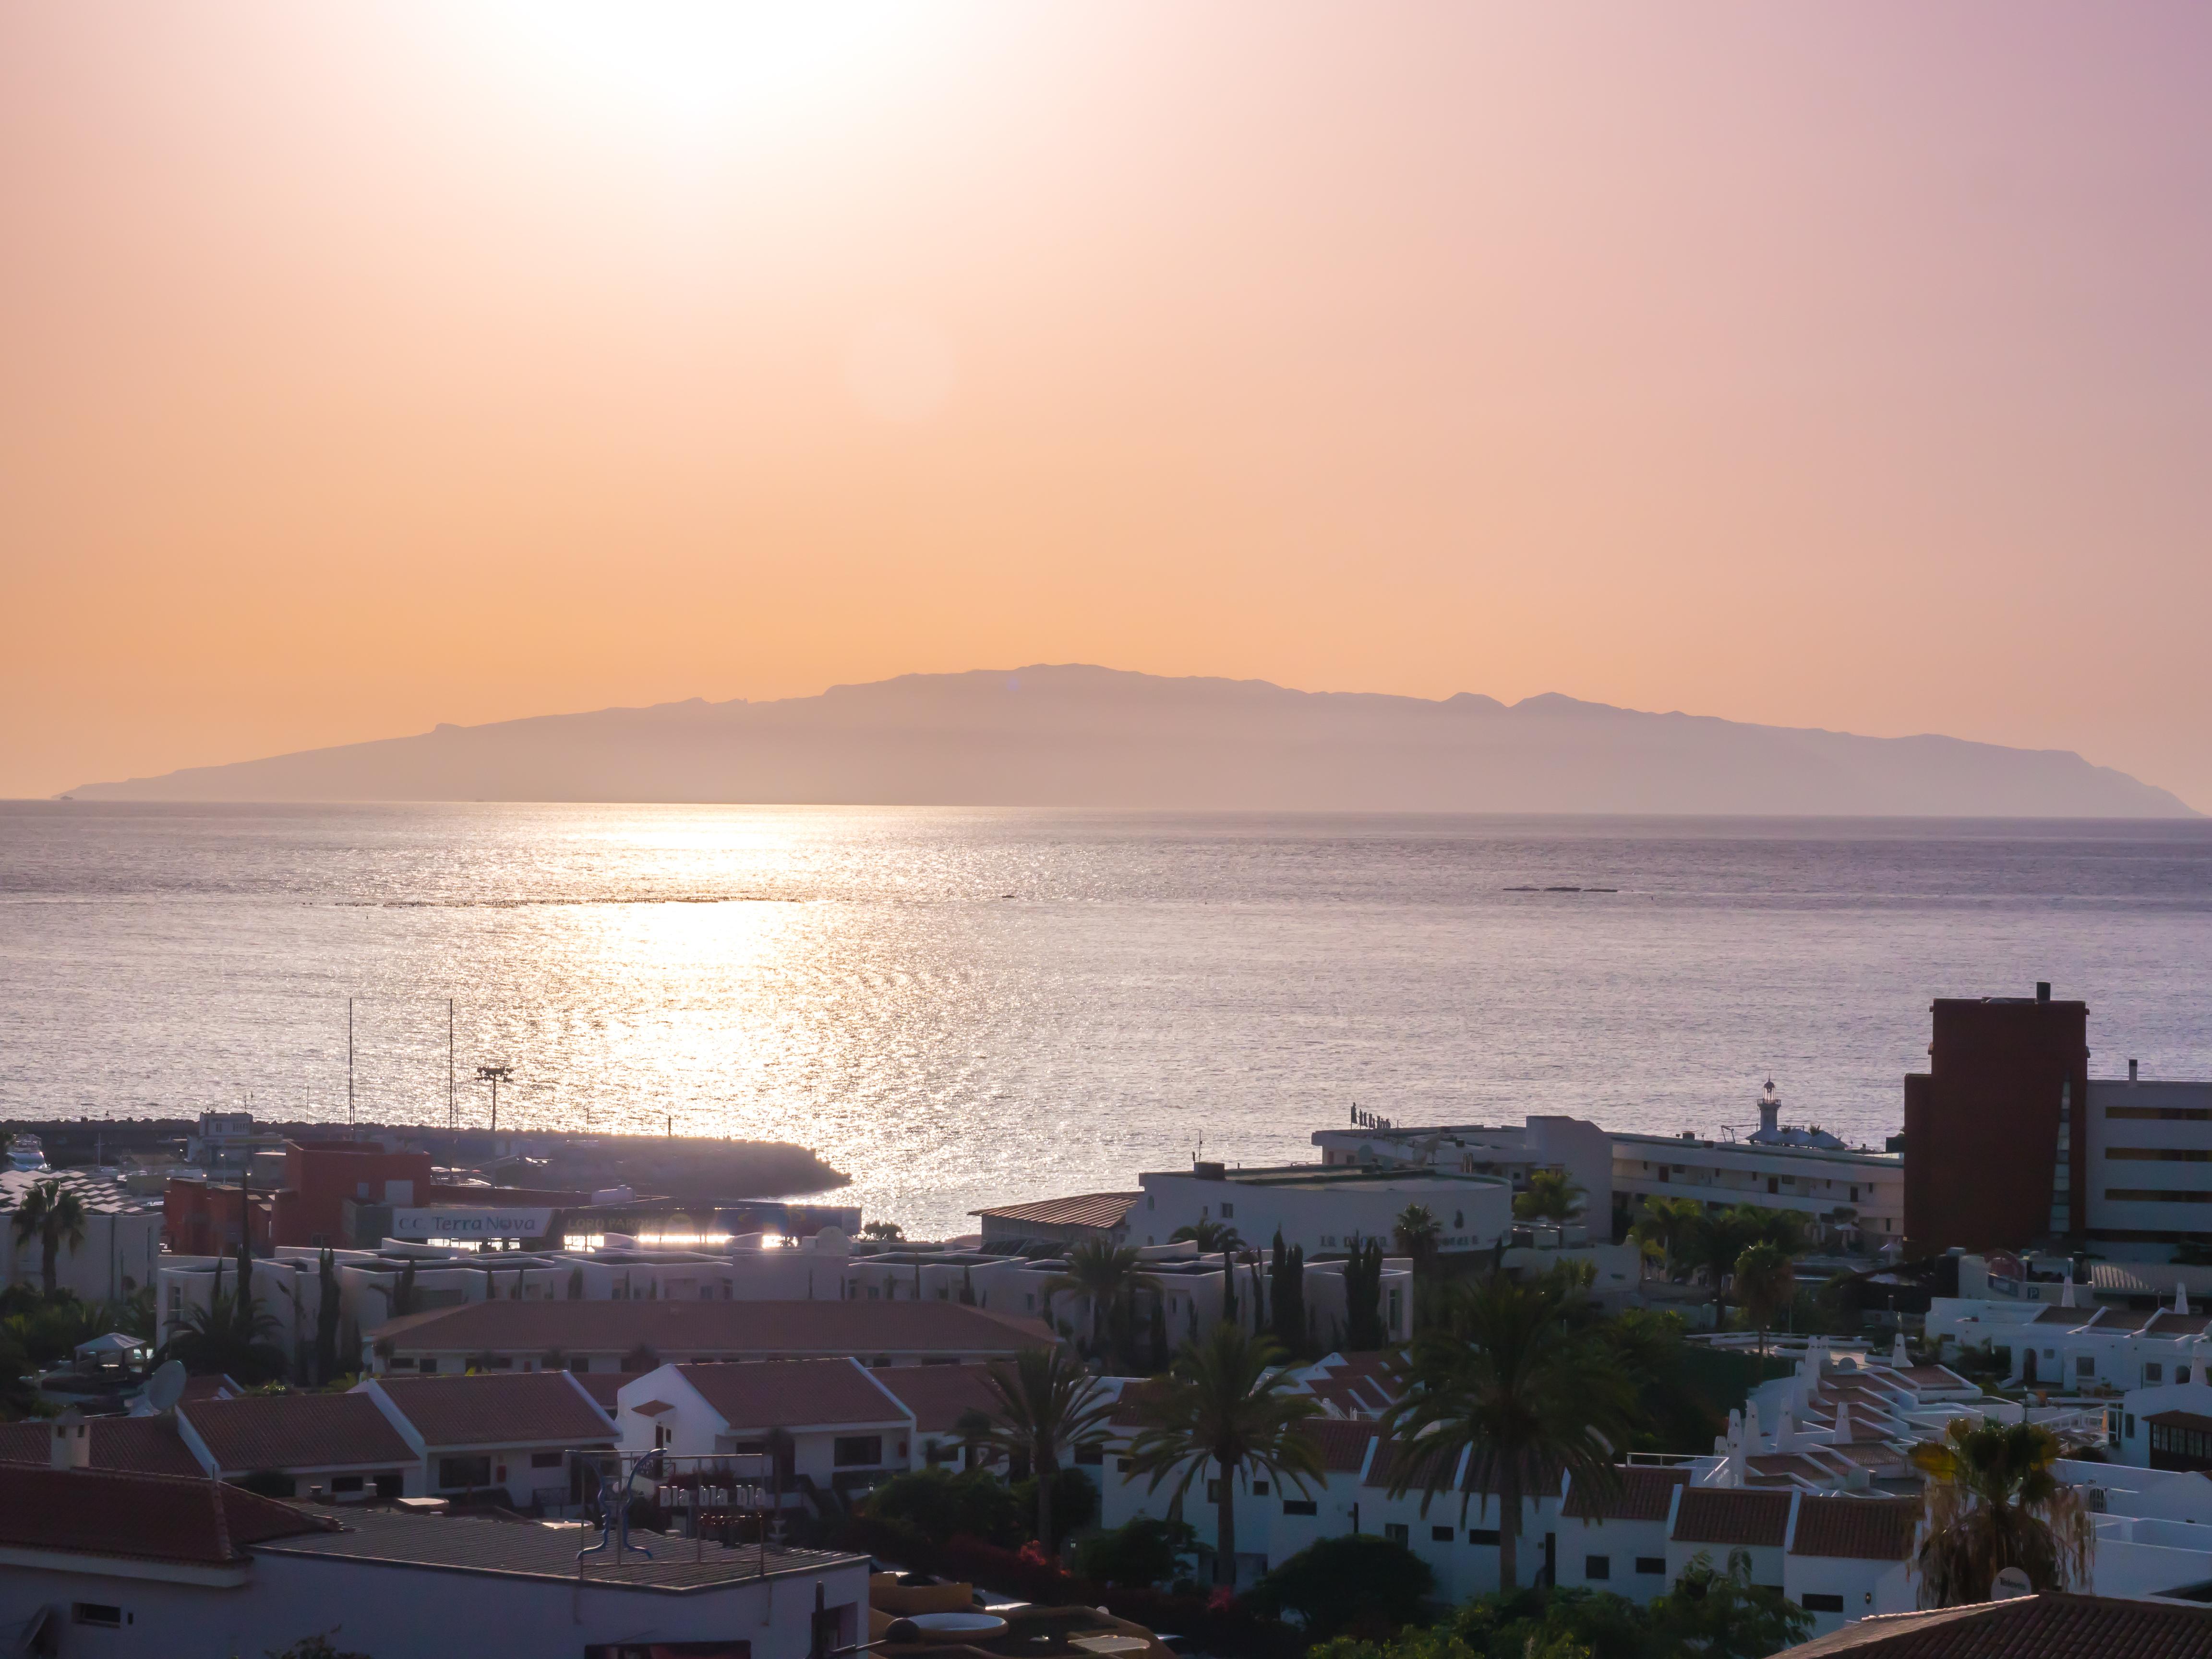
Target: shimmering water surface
[[962, 1007]]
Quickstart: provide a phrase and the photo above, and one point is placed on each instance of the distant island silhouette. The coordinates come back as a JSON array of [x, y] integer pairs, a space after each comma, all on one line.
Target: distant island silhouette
[[1080, 736]]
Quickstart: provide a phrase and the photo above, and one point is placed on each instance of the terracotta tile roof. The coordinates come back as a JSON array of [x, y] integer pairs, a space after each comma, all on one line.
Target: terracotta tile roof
[[522, 1408], [1732, 1517], [792, 1394], [209, 1388], [1859, 1529], [2027, 1627], [1128, 1411], [698, 1330], [296, 1432], [1104, 1211], [2173, 1325], [603, 1386], [144, 1516], [938, 1394], [2068, 1316], [1776, 1468], [1343, 1444], [1643, 1494], [2179, 1420], [123, 1445], [1384, 1474]]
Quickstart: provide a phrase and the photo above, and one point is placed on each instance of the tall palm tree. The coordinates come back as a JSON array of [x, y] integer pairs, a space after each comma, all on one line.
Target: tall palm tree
[[1719, 1238], [1510, 1373], [1415, 1232], [1668, 1224], [1043, 1404], [1765, 1279], [1227, 1404], [1208, 1235], [1107, 1276], [1552, 1196], [1993, 1501], [54, 1216]]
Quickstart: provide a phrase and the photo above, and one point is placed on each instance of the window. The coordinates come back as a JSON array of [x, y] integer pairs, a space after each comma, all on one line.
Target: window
[[1652, 1565], [580, 1363], [1819, 1601], [98, 1613], [2161, 1154], [1397, 1532], [344, 1483], [1772, 1186], [857, 1451], [2157, 1114], [1300, 1506], [1481, 1535], [464, 1471], [2130, 1433], [1124, 1465], [426, 1366], [1259, 1489], [1440, 1535], [2084, 1365], [2154, 1195], [1855, 1194], [2153, 1372], [1597, 1566], [1213, 1491], [1093, 1454], [551, 1460], [390, 1485], [1228, 1212]]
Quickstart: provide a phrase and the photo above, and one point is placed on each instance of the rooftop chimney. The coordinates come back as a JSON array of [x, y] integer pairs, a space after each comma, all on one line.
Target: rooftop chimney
[[2043, 990], [2131, 1071], [71, 1447]]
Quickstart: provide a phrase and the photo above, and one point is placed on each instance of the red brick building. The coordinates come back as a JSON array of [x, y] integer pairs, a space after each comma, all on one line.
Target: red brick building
[[1986, 1165], [200, 1218]]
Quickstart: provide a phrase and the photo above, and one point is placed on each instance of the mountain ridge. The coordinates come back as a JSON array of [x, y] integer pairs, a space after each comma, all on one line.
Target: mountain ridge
[[1080, 735]]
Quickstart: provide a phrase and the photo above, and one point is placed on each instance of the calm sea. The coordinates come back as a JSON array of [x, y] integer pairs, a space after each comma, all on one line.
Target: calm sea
[[963, 1007]]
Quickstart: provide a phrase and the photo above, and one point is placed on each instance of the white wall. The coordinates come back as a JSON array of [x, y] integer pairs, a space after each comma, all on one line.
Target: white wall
[[1321, 1215], [396, 1610]]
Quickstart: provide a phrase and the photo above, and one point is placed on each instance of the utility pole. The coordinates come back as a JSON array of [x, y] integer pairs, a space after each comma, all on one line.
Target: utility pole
[[495, 1075], [348, 1062]]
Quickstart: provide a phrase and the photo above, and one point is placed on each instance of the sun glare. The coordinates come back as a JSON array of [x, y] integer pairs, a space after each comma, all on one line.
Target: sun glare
[[691, 70]]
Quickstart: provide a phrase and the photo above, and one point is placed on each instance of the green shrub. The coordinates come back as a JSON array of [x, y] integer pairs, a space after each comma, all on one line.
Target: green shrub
[[1358, 1583], [1147, 1551], [941, 1504]]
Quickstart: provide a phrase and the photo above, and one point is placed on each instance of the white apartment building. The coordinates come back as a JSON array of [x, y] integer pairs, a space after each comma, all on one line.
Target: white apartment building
[[1325, 1208], [121, 1253], [99, 1562], [1580, 1149], [2148, 1179]]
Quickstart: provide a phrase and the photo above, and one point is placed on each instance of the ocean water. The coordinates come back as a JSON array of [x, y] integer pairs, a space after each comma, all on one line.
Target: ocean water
[[963, 1007]]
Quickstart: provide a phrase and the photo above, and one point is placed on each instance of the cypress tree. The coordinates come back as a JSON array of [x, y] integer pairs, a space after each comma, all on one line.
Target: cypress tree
[[1159, 1333], [1363, 1297], [326, 1320]]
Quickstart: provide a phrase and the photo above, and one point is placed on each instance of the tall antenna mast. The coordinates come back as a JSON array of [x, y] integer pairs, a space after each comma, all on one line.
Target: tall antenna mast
[[452, 1101], [348, 1062]]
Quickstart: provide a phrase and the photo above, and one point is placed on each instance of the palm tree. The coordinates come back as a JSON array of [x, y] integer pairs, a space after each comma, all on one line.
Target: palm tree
[[227, 1338], [1042, 1405], [1668, 1224], [1718, 1240], [1416, 1232], [1208, 1235], [1107, 1276], [1992, 1501], [1510, 1373], [1228, 1405], [55, 1216], [1552, 1196], [1764, 1282]]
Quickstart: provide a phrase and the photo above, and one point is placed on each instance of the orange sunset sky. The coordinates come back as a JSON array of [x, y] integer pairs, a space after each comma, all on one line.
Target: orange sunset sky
[[367, 367]]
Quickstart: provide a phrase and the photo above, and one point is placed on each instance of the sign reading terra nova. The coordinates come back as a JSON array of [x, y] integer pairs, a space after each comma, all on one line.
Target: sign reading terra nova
[[469, 1223]]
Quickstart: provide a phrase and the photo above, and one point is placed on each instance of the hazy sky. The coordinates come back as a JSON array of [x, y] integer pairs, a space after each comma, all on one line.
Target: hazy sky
[[364, 368]]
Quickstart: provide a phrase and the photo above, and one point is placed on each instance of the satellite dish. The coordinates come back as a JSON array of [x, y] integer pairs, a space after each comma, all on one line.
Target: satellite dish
[[166, 1386], [2009, 1583]]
